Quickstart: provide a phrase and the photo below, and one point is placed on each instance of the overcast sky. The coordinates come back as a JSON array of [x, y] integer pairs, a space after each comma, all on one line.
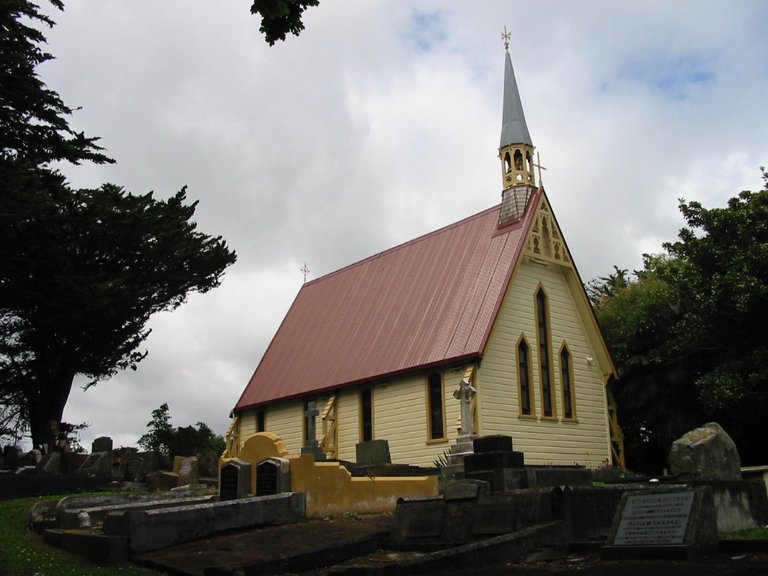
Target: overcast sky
[[380, 123]]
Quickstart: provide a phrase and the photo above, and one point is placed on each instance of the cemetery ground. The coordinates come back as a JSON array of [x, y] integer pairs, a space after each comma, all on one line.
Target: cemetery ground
[[23, 552]]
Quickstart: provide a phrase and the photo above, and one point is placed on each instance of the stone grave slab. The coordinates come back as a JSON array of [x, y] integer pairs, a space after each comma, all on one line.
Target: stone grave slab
[[663, 524]]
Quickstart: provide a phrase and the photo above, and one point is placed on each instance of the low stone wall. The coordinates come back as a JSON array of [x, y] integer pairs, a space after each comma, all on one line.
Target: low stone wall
[[155, 529], [69, 517]]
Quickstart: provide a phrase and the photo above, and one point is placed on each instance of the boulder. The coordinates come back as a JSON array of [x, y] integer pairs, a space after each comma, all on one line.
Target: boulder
[[705, 453]]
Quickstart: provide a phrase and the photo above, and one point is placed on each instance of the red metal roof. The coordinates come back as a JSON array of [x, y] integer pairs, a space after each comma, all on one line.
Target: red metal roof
[[427, 302]]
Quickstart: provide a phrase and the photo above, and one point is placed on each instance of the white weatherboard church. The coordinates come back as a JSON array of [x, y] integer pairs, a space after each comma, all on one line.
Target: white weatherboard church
[[380, 346]]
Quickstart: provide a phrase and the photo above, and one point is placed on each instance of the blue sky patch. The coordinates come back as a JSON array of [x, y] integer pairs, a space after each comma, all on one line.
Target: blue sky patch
[[426, 30], [675, 78]]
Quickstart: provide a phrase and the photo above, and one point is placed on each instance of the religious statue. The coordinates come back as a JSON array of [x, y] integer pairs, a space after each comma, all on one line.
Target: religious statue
[[464, 394]]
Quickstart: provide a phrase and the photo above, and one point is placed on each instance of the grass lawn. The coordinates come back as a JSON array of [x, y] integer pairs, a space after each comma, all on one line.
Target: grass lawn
[[760, 533], [23, 552]]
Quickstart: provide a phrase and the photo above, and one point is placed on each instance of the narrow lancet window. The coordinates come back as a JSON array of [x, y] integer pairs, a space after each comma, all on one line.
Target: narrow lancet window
[[366, 415], [566, 380], [435, 407], [524, 378], [545, 357]]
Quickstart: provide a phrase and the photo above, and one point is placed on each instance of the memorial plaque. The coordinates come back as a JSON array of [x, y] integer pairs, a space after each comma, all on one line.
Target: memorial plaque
[[654, 519]]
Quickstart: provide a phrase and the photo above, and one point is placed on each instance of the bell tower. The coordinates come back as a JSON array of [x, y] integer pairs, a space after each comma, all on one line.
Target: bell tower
[[515, 149]]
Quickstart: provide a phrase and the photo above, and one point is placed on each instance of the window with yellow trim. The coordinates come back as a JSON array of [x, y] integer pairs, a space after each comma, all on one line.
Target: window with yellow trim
[[435, 406], [566, 383], [545, 355], [261, 421], [524, 378], [366, 415]]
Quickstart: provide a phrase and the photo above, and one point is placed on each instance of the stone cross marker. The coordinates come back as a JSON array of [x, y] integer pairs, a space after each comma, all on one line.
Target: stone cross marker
[[464, 394], [311, 414]]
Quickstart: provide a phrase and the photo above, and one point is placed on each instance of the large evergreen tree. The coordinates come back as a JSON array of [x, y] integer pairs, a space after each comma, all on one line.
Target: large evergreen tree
[[82, 270], [689, 332]]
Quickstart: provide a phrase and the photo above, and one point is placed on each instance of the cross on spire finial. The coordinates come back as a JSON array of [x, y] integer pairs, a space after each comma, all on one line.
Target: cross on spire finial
[[304, 270], [506, 35], [540, 168]]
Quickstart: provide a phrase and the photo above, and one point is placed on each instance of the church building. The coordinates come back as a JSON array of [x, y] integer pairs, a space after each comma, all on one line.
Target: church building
[[377, 349]]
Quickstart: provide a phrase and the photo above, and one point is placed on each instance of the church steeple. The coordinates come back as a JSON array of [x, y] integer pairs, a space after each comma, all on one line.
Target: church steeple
[[515, 148]]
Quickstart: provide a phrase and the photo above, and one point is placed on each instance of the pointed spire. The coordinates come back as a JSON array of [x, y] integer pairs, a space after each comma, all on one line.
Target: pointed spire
[[515, 150], [514, 130]]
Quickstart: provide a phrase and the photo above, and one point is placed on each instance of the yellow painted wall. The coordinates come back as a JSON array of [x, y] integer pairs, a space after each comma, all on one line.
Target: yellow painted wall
[[544, 441], [328, 487]]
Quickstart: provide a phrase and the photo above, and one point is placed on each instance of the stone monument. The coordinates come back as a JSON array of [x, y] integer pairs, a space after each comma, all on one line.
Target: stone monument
[[312, 446], [706, 453], [464, 394]]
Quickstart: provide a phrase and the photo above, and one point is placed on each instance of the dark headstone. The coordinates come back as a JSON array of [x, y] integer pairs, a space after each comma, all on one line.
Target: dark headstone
[[12, 456], [208, 465], [266, 478], [373, 452], [492, 443], [492, 460], [236, 480], [495, 462], [273, 476], [134, 469], [101, 444]]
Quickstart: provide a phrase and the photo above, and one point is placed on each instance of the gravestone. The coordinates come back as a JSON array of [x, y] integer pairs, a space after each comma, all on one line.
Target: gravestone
[[311, 445], [373, 452], [188, 471], [235, 480], [417, 519], [663, 524], [101, 444], [51, 463], [706, 453], [31, 458], [134, 469], [98, 464], [273, 476], [12, 456], [494, 461]]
